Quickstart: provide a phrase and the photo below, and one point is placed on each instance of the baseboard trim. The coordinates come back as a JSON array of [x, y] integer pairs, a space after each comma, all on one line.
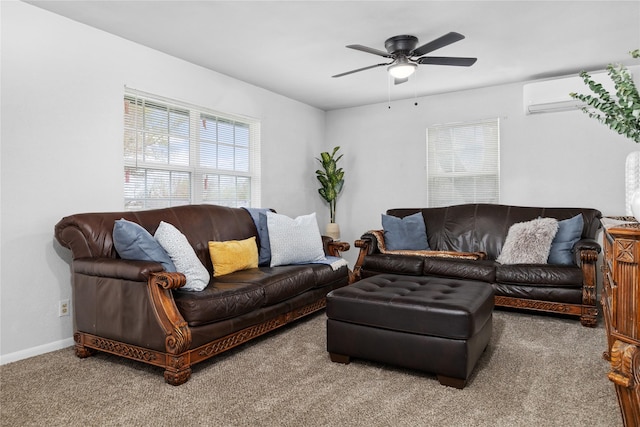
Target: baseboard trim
[[35, 351]]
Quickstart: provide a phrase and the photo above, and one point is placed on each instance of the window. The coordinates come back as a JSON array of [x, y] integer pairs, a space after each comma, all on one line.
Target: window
[[178, 154], [463, 163]]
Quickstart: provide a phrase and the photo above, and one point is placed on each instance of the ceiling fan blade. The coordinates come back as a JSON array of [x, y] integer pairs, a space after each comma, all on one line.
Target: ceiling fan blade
[[400, 81], [443, 41], [369, 50], [447, 60], [359, 69]]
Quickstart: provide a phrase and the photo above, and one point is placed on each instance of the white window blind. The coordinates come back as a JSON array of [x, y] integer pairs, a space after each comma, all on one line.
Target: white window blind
[[463, 163], [178, 154]]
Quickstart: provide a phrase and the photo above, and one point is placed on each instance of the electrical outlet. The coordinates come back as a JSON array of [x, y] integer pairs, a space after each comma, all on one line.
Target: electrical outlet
[[63, 308]]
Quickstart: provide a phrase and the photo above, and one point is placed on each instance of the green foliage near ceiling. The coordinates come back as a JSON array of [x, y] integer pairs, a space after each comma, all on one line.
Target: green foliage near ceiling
[[619, 111]]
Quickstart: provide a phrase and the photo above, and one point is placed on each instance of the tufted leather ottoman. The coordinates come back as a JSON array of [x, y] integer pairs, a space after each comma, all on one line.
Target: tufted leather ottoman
[[432, 324]]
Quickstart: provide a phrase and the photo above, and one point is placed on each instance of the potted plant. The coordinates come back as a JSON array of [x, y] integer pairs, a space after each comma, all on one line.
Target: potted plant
[[331, 179], [620, 112]]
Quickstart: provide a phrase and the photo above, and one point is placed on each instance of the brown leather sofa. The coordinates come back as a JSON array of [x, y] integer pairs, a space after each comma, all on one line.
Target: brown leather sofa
[[135, 309], [473, 228]]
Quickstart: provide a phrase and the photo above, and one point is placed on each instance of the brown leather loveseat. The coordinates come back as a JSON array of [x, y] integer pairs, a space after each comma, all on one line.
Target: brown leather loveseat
[[137, 310], [466, 241]]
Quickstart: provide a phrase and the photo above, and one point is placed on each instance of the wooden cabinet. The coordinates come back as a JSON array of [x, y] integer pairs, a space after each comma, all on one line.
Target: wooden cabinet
[[621, 311]]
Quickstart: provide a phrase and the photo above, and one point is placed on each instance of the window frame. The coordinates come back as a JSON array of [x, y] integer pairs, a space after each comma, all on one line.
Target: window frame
[[134, 156], [487, 169]]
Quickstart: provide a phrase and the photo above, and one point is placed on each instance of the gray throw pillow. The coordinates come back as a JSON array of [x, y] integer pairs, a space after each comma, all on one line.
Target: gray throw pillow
[[408, 233], [183, 256], [529, 242], [132, 241], [569, 232], [294, 240]]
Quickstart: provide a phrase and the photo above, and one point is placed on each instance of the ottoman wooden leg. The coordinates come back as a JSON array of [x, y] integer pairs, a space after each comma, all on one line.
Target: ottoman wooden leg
[[452, 382], [339, 358]]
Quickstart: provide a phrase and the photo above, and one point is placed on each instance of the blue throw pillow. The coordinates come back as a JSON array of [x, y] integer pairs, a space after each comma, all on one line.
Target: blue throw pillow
[[264, 258], [408, 233], [259, 216], [569, 232], [132, 241]]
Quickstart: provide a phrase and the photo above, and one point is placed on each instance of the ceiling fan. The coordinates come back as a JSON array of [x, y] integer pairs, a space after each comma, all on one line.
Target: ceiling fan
[[406, 57]]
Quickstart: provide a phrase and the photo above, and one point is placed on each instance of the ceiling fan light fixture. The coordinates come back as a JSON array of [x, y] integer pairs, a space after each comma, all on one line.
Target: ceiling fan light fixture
[[402, 68]]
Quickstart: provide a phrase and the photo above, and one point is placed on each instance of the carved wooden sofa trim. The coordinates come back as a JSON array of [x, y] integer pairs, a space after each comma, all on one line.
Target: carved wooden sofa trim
[[478, 232], [136, 309]]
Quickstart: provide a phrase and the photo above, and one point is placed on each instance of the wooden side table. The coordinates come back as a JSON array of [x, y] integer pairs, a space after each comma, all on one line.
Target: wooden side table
[[621, 311]]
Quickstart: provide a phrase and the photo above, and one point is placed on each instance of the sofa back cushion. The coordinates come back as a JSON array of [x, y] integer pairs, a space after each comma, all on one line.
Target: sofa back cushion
[[484, 227], [90, 234]]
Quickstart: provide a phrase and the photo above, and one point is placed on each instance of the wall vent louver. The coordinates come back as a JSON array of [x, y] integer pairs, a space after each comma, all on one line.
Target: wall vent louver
[[552, 95]]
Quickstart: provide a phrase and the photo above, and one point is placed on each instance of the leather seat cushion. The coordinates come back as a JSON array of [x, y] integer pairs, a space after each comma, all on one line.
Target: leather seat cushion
[[540, 293], [394, 264], [325, 275], [434, 306], [483, 270], [218, 301], [540, 275], [278, 283]]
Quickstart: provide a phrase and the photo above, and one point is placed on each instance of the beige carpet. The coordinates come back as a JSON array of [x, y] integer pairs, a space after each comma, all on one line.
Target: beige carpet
[[537, 371]]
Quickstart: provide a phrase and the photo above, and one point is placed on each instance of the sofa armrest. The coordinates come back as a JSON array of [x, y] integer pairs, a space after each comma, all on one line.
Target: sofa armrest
[[176, 329], [368, 245], [586, 251], [586, 257], [334, 247], [368, 241], [116, 268], [587, 244]]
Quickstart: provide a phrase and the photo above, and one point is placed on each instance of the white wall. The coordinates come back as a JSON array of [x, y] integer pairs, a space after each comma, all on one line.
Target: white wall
[[555, 159], [61, 153]]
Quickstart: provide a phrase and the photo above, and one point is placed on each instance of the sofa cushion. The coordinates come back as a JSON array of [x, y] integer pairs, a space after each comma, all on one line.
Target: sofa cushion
[[277, 283], [218, 301], [557, 294], [529, 242], [294, 241], [132, 241], [183, 256], [287, 281], [408, 233], [394, 264], [482, 270], [569, 232], [324, 275], [539, 275], [233, 255]]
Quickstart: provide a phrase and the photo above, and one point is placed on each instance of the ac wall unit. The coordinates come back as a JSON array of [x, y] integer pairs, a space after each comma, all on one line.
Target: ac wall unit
[[549, 96]]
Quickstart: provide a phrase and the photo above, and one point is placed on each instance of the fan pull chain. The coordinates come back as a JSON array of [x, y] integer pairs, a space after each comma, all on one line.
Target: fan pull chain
[[389, 92], [415, 90]]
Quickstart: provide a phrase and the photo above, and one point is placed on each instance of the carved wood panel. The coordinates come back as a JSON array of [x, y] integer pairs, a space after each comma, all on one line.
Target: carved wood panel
[[621, 308]]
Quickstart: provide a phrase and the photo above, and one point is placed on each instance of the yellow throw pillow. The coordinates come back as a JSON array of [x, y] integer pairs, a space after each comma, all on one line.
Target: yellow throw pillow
[[233, 255]]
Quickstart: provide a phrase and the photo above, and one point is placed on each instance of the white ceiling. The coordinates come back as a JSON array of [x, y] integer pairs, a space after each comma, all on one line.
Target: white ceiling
[[294, 47]]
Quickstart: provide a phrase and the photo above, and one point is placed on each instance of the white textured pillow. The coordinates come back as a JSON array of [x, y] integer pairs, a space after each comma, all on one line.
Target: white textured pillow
[[294, 241], [529, 242], [183, 256]]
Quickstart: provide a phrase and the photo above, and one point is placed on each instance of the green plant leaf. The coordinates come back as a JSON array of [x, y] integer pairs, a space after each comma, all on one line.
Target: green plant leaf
[[619, 111], [331, 178]]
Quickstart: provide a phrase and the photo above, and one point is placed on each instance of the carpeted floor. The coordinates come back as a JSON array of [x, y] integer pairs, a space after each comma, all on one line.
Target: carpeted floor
[[537, 371]]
